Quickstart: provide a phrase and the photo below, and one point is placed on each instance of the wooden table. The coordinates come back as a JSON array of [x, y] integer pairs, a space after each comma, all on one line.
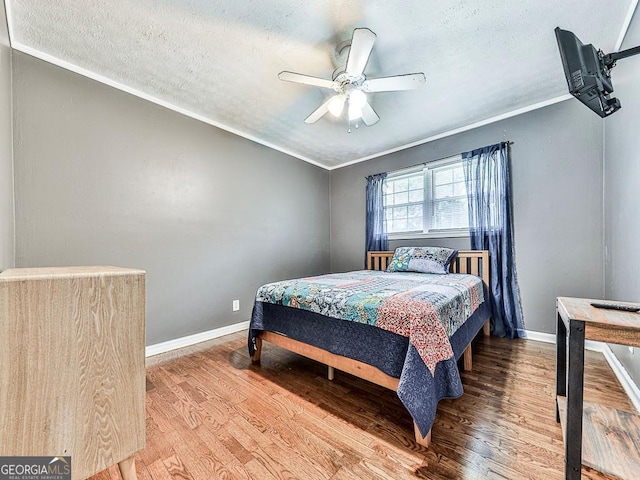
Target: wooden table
[[611, 436]]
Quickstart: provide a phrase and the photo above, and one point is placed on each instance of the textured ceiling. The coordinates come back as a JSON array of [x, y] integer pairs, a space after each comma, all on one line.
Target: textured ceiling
[[219, 60]]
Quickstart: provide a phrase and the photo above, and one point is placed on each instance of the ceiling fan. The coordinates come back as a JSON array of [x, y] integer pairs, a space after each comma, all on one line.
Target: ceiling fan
[[351, 84]]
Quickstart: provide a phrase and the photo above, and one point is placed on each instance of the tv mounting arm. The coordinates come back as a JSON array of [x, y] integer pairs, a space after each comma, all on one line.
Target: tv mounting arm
[[610, 58]]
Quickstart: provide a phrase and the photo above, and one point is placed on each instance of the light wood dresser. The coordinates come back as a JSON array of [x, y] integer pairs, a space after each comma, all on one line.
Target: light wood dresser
[[72, 367]]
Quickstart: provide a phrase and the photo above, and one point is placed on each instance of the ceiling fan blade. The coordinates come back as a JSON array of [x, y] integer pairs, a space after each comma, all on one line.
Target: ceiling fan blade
[[409, 81], [369, 115], [307, 80], [361, 46], [319, 112]]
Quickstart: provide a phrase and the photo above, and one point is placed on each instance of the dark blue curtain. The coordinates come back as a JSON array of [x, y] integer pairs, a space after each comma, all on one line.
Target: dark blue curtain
[[490, 226], [376, 234]]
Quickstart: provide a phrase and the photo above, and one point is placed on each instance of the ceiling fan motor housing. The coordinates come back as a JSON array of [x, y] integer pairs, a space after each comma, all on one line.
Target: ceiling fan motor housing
[[347, 82]]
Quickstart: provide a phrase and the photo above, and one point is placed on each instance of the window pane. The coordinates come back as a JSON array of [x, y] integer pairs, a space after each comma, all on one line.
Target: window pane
[[388, 200], [401, 185], [416, 195], [387, 213], [442, 176], [392, 186], [443, 191], [415, 211], [416, 183], [459, 189], [458, 174], [451, 214], [399, 212], [400, 225], [401, 198], [414, 224]]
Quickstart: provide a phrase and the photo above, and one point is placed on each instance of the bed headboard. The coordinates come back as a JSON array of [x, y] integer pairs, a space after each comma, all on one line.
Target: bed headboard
[[474, 262]]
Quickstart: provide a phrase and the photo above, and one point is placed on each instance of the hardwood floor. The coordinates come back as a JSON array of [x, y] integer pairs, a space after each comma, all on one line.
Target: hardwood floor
[[211, 414]]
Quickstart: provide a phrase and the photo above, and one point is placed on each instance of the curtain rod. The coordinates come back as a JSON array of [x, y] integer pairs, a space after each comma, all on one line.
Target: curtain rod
[[506, 142]]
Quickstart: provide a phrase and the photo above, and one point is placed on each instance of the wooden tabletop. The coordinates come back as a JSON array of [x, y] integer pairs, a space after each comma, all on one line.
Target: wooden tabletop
[[55, 272], [612, 326]]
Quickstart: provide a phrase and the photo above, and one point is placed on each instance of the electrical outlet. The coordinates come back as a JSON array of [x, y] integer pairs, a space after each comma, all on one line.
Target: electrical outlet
[[236, 305]]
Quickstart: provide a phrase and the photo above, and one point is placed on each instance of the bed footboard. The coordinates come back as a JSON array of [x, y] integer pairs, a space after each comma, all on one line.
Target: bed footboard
[[333, 361]]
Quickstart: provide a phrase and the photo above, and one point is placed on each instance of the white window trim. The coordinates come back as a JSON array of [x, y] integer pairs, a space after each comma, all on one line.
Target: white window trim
[[443, 234], [418, 168]]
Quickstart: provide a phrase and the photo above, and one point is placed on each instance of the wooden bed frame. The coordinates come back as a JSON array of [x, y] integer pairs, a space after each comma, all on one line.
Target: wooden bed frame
[[474, 262]]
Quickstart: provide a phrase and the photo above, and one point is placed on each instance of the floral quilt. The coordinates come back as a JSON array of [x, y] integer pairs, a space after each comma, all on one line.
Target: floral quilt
[[426, 308]]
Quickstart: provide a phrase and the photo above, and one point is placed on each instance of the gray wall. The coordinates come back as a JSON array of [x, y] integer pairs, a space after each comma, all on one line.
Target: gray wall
[[103, 177], [557, 196], [6, 155], [622, 190], [460, 243]]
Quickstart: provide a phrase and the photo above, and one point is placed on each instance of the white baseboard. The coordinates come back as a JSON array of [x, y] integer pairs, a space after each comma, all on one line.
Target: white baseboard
[[540, 336], [630, 387], [187, 341], [551, 338]]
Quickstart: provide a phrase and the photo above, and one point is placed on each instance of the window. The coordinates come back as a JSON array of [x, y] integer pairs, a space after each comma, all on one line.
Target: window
[[432, 199]]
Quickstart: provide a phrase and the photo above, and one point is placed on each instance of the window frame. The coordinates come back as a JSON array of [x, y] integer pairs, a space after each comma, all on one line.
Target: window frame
[[427, 202]]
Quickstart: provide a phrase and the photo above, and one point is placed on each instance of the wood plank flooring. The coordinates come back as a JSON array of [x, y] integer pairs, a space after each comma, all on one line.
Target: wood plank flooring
[[211, 414]]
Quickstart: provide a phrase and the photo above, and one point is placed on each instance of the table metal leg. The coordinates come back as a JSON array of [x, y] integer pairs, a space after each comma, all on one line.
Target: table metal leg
[[573, 441], [561, 362]]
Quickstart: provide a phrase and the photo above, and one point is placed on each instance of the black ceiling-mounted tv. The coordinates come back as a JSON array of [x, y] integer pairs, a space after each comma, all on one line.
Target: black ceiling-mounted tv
[[588, 72]]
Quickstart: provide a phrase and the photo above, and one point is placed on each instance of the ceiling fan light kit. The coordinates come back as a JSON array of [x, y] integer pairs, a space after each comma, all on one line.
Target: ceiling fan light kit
[[354, 113], [350, 83], [336, 105]]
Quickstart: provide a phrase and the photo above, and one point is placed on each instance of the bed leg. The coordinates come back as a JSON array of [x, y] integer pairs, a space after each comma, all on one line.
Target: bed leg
[[486, 328], [468, 365], [424, 441], [330, 372], [255, 359]]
